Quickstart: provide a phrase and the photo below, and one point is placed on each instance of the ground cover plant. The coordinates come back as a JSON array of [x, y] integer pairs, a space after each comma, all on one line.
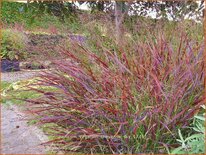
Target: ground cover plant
[[17, 92], [126, 98], [14, 92]]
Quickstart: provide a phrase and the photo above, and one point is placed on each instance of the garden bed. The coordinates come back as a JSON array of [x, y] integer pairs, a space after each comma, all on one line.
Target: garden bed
[[45, 46], [37, 48]]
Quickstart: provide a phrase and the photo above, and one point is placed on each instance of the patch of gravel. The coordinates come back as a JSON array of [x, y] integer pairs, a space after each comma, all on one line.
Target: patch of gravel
[[17, 136], [20, 75]]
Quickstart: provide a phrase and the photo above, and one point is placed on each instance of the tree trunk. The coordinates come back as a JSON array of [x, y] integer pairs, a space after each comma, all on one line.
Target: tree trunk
[[120, 9]]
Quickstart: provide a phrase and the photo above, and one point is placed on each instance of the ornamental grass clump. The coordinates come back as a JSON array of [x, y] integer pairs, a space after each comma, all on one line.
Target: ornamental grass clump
[[130, 99]]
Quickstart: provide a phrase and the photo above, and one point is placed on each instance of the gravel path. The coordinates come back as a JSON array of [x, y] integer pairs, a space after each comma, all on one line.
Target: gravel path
[[20, 75], [17, 137]]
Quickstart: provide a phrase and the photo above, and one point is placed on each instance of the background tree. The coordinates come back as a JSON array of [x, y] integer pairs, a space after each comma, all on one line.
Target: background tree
[[175, 10], [120, 10], [60, 9], [97, 5]]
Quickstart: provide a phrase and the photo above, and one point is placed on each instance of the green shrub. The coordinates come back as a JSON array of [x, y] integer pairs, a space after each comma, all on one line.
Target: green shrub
[[13, 45], [195, 143]]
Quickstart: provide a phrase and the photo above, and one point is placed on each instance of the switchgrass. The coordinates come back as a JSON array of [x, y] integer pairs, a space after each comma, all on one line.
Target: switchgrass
[[125, 98]]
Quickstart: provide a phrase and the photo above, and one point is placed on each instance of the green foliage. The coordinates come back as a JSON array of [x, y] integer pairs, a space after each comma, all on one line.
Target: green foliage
[[17, 93], [139, 26], [59, 9], [195, 143], [4, 85], [38, 14], [13, 45], [11, 12], [177, 10], [12, 92], [100, 31]]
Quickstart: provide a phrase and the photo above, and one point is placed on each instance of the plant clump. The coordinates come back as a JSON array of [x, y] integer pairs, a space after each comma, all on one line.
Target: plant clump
[[13, 45], [129, 99]]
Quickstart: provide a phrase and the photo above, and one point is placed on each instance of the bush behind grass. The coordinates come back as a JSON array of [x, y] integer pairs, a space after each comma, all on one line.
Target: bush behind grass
[[34, 16], [13, 45], [128, 98]]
